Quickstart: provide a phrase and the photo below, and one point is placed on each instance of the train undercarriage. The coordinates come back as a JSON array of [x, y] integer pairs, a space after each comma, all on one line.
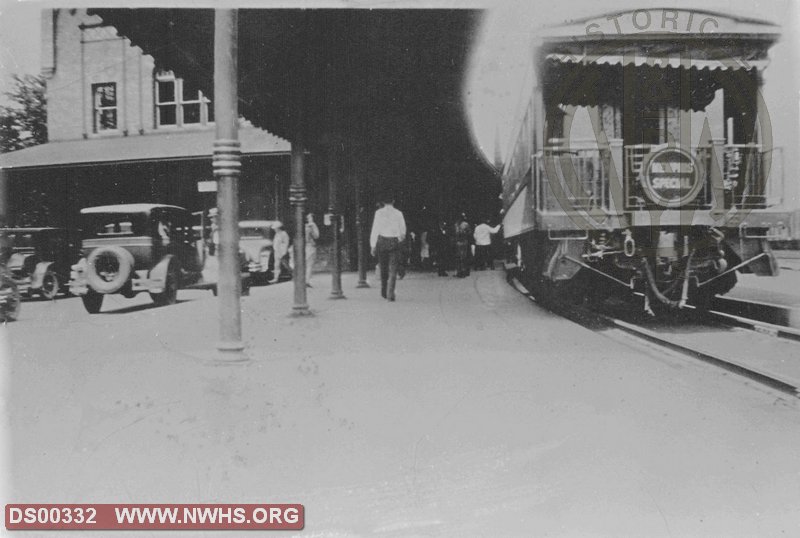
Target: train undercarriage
[[669, 267]]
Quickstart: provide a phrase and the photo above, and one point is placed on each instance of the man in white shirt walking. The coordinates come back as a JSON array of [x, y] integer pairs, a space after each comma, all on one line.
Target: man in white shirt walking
[[483, 245], [386, 238]]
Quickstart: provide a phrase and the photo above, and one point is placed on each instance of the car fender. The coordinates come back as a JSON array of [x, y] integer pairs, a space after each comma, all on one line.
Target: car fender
[[38, 274], [17, 261], [158, 274], [77, 278]]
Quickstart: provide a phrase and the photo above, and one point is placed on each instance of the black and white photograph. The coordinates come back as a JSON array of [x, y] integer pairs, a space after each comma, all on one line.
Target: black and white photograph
[[400, 268]]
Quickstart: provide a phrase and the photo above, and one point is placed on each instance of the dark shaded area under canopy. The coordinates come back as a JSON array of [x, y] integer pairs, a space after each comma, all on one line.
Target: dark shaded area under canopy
[[384, 85]]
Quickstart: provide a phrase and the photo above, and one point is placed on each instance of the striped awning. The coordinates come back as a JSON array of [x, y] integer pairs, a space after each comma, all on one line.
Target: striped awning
[[674, 61]]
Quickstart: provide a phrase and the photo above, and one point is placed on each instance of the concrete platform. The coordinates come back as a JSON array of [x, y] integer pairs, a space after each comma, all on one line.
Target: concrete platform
[[462, 409], [781, 290]]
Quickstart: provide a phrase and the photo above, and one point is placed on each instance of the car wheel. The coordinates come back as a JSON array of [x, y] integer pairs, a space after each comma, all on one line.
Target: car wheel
[[92, 301], [108, 268], [50, 285], [170, 293]]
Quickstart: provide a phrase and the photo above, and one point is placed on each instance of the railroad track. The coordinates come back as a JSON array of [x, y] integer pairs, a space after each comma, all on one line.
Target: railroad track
[[724, 339]]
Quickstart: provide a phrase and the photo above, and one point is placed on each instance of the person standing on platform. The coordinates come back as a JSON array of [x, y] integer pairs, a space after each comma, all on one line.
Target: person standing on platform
[[280, 250], [441, 246], [483, 245], [312, 235], [424, 251], [463, 237], [386, 240]]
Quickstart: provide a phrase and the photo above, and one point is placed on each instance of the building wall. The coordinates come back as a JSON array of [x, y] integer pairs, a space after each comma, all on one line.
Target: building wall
[[75, 58]]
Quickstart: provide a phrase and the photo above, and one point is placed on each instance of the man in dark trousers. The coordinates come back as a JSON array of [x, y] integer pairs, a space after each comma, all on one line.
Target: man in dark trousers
[[386, 239], [463, 237], [441, 244]]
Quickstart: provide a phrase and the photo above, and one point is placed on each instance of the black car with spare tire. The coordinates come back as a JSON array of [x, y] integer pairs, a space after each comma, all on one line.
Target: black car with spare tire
[[133, 248]]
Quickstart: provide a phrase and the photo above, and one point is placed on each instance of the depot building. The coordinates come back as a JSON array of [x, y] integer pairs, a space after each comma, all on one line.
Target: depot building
[[122, 131]]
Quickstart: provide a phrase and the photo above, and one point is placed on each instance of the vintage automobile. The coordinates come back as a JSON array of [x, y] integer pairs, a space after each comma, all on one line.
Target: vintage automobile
[[255, 242], [40, 260], [9, 297], [133, 248], [9, 292]]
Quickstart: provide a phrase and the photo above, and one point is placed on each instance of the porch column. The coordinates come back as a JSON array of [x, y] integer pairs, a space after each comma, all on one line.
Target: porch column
[[227, 165], [333, 209], [361, 220], [297, 197]]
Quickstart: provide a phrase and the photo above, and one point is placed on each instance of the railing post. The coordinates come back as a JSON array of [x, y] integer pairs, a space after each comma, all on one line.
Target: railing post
[[227, 164], [616, 176], [717, 177]]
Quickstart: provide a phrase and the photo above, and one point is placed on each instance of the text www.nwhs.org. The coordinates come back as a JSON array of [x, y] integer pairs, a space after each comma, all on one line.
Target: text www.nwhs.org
[[155, 516]]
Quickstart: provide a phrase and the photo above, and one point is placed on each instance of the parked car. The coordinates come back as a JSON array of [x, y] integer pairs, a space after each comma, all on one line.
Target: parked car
[[255, 242], [134, 248], [9, 297], [40, 260], [9, 293]]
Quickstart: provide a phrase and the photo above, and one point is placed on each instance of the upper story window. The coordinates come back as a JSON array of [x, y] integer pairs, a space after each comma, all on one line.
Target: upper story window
[[104, 97], [178, 105]]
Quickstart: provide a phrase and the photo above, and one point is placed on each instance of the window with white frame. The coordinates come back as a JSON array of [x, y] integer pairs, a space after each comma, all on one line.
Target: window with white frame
[[104, 97], [177, 104]]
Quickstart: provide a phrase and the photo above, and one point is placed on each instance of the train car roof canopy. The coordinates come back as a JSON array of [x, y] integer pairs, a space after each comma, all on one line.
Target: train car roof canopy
[[642, 24]]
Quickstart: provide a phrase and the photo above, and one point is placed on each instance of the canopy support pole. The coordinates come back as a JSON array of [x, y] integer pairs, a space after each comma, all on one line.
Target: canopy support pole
[[227, 166]]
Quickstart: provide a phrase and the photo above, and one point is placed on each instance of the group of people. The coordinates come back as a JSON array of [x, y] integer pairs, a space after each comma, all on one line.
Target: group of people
[[460, 247], [445, 248], [283, 257], [281, 249]]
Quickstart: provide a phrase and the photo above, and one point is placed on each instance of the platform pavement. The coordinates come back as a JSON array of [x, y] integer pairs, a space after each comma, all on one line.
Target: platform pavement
[[783, 290], [462, 409]]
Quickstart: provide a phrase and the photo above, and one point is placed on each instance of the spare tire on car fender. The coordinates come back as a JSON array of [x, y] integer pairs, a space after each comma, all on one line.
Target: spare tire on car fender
[[108, 268]]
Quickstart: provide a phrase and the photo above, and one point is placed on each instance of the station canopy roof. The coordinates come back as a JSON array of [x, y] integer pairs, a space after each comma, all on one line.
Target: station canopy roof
[[161, 146], [386, 84]]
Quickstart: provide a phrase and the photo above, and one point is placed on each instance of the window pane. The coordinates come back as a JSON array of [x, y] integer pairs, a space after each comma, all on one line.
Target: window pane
[[105, 95], [166, 91], [191, 113], [166, 115], [107, 119], [210, 107], [190, 94]]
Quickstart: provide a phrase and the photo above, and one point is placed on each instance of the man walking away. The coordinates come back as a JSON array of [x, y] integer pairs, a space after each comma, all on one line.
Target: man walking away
[[386, 238], [483, 245]]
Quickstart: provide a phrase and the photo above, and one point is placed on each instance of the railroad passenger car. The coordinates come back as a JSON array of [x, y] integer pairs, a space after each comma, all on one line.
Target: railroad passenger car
[[644, 159]]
